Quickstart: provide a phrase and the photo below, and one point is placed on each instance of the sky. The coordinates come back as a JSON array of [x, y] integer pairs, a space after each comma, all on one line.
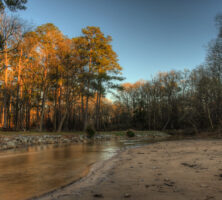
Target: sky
[[149, 36]]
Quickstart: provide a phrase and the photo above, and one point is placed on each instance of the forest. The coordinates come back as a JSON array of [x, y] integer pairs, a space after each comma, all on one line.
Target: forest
[[50, 82], [188, 99]]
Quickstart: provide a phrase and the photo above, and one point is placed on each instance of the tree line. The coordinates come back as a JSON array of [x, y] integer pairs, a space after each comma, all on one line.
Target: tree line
[[51, 82], [176, 99]]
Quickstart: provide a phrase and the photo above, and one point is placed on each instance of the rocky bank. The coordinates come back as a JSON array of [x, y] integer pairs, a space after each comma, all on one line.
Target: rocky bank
[[11, 142]]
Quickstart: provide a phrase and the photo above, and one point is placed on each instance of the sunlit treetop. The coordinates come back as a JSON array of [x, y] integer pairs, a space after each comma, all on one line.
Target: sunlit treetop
[[13, 5]]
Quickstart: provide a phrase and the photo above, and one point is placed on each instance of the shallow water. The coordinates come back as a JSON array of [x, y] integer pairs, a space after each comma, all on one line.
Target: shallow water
[[32, 171]]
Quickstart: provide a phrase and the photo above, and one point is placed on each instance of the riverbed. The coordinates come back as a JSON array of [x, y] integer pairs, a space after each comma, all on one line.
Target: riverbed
[[170, 170], [32, 171]]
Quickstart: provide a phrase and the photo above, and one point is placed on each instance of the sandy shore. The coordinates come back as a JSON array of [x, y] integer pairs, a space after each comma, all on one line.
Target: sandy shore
[[180, 170]]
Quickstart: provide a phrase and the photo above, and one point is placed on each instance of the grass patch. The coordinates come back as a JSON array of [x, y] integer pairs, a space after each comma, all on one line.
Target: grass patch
[[137, 133], [36, 133], [77, 133]]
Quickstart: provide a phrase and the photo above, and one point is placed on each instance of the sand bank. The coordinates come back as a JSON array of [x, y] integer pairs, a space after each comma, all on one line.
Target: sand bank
[[180, 170]]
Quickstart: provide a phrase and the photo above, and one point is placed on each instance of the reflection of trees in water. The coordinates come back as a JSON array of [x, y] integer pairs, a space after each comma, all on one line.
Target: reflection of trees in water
[[39, 169]]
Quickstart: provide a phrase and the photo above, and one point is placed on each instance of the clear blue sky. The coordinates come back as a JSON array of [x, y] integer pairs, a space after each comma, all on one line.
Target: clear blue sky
[[148, 35]]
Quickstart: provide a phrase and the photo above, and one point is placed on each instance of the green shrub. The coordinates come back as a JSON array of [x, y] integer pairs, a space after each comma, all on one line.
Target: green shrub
[[90, 132], [130, 133]]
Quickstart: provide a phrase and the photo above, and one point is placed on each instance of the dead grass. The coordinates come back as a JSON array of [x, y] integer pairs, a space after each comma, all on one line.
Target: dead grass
[[115, 133]]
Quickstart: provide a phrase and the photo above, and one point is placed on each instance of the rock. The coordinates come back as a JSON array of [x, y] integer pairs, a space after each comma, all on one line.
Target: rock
[[209, 197], [11, 144], [98, 195], [168, 182], [189, 165], [204, 186], [127, 195], [6, 139], [24, 140]]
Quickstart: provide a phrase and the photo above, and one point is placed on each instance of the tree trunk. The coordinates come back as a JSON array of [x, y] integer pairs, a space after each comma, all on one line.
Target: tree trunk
[[62, 122], [164, 127], [97, 112], [209, 117], [17, 109], [18, 94], [86, 114], [82, 110], [55, 111], [43, 111], [5, 108]]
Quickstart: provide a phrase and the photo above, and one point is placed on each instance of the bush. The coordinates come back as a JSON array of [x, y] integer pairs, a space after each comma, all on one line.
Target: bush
[[130, 134], [90, 132]]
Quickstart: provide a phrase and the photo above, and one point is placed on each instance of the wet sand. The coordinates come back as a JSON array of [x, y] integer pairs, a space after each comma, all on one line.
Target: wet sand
[[180, 170]]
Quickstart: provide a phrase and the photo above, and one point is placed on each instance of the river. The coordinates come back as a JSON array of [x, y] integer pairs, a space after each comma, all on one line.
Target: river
[[32, 171]]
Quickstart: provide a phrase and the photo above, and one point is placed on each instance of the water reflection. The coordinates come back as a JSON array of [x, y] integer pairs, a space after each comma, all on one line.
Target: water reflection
[[32, 171]]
